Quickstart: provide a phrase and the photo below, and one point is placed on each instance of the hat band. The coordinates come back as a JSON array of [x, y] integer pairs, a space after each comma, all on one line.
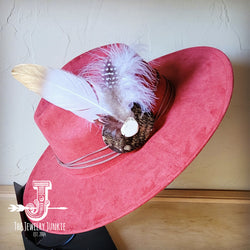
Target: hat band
[[166, 103], [79, 164]]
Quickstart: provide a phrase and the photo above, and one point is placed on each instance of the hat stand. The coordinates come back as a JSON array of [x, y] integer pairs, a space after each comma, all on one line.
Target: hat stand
[[37, 239]]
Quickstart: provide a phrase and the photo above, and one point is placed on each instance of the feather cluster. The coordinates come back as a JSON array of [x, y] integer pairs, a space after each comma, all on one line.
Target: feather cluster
[[122, 78], [116, 90], [106, 89]]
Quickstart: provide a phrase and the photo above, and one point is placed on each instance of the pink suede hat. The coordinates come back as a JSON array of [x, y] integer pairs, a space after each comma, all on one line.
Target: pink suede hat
[[82, 199]]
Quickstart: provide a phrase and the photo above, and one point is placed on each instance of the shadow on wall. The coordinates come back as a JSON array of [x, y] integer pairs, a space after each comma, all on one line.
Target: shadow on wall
[[224, 162], [239, 107]]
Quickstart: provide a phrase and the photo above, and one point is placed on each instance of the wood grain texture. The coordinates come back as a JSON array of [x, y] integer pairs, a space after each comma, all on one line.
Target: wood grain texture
[[174, 219], [204, 196], [183, 226], [10, 238]]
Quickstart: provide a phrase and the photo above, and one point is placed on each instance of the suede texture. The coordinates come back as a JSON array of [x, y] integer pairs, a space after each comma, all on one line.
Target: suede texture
[[98, 195]]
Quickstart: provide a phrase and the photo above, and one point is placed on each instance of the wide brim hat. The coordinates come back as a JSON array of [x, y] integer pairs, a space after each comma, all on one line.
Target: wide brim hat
[[98, 195]]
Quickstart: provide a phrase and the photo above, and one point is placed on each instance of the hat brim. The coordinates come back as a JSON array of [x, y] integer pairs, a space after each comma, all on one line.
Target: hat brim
[[203, 79]]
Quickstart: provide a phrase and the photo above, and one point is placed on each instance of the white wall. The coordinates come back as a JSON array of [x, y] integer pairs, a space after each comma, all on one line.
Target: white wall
[[53, 32]]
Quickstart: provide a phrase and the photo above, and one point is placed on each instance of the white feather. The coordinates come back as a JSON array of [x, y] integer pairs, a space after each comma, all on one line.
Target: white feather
[[73, 93], [136, 77]]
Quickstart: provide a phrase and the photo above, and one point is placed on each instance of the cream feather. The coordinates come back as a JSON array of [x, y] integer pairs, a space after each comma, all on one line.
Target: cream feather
[[30, 75]]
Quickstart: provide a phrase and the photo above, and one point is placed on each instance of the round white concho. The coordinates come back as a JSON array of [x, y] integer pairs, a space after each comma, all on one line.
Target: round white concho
[[130, 127]]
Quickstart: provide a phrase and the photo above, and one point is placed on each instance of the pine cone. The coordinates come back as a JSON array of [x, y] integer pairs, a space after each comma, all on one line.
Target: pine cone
[[112, 136]]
